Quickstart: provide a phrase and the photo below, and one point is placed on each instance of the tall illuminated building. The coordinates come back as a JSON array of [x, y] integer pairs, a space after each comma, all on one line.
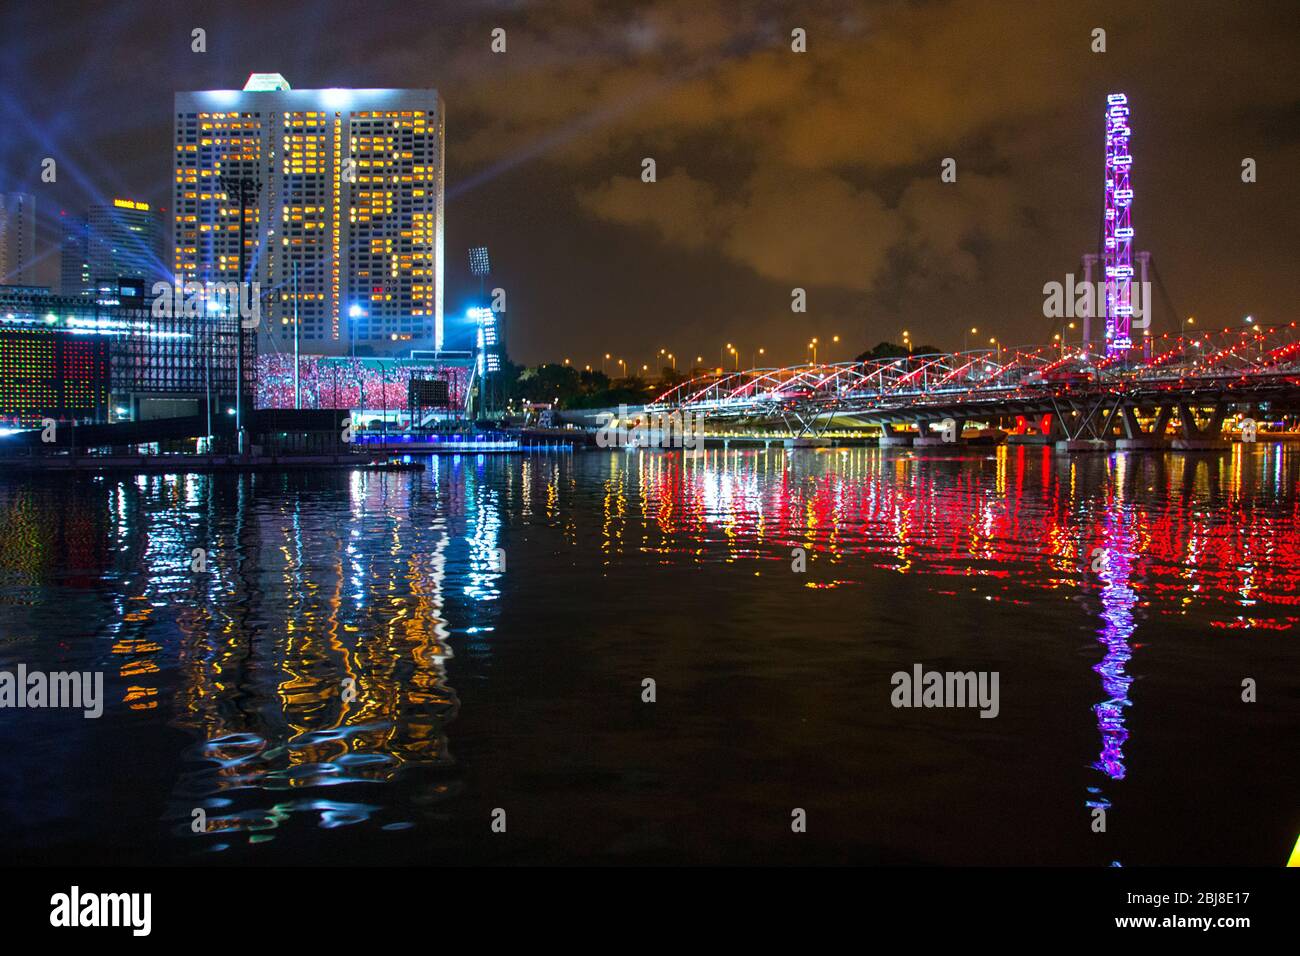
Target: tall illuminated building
[[17, 239], [347, 209], [74, 255], [123, 240]]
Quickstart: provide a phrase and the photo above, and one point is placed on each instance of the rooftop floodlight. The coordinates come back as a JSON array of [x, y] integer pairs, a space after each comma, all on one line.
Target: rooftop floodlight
[[265, 83]]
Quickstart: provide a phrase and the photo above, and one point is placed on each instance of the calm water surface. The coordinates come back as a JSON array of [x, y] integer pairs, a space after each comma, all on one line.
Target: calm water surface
[[354, 679]]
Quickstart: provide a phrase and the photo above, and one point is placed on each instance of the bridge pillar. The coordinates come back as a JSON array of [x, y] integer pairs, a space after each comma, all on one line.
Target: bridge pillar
[[1220, 412], [892, 436], [1132, 427], [1049, 424], [1161, 424], [928, 439], [1078, 430], [1188, 421], [1135, 439], [1044, 430], [1197, 438]]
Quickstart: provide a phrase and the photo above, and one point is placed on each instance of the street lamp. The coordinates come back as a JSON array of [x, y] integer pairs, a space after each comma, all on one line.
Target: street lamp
[[736, 355], [965, 339], [354, 312], [907, 340], [602, 364], [623, 365], [994, 341], [813, 345]]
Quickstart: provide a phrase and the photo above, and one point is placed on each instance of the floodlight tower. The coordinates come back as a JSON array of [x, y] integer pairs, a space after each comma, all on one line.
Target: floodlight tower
[[1117, 253], [481, 266]]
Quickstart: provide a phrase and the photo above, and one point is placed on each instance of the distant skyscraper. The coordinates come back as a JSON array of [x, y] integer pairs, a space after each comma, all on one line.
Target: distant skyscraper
[[17, 239], [350, 192], [74, 256], [123, 239]]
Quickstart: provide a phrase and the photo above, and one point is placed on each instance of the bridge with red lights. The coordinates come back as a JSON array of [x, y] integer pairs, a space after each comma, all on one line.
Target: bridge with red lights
[[1057, 393]]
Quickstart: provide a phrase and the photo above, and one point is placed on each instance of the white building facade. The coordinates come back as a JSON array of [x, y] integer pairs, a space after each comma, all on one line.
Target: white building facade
[[347, 217]]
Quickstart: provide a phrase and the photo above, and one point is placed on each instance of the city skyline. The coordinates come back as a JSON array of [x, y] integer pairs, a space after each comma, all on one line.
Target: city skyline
[[578, 435]]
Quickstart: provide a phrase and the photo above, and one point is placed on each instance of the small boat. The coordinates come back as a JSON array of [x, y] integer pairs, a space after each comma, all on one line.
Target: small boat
[[394, 464]]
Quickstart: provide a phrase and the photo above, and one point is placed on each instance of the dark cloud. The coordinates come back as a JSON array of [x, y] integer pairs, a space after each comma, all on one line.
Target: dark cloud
[[776, 169]]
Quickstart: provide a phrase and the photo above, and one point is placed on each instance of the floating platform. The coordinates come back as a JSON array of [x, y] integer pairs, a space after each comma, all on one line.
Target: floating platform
[[1200, 444], [1149, 443], [1084, 445]]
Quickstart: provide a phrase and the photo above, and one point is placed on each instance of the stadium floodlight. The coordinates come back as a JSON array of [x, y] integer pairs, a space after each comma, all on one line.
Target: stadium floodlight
[[478, 261]]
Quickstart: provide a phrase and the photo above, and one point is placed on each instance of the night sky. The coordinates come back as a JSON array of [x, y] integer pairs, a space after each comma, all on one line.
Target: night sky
[[775, 169]]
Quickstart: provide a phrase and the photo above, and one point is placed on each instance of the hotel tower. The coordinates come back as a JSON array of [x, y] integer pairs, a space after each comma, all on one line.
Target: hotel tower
[[344, 210]]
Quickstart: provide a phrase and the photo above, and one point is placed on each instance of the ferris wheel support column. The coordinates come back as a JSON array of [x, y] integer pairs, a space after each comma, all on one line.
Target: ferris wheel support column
[[1117, 252]]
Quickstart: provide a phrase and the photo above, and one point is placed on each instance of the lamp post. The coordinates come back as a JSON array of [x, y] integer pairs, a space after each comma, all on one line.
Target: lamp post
[[907, 340], [965, 339], [297, 325], [354, 312], [813, 345], [247, 188]]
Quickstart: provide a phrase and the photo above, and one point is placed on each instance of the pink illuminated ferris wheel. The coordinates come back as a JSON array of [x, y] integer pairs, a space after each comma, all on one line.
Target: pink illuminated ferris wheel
[[1118, 252]]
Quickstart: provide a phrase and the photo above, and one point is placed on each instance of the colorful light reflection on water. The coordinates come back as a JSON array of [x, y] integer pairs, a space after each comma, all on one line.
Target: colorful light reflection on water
[[346, 622]]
